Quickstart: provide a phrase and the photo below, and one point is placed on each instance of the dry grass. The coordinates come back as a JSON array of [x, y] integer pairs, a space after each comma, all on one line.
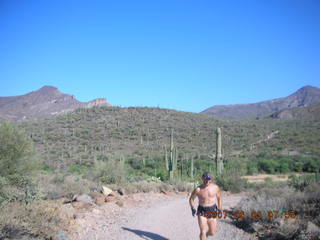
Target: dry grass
[[144, 186], [39, 220], [58, 186], [305, 204], [261, 178]]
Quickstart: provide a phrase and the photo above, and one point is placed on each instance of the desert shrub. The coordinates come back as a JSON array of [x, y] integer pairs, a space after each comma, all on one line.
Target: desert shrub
[[239, 165], [111, 171], [17, 165], [311, 165], [142, 186], [231, 181], [68, 187], [152, 179], [301, 182], [268, 183], [311, 206], [183, 186], [47, 168], [17, 155], [304, 207], [252, 168], [38, 220], [163, 174], [268, 165], [166, 187], [268, 180], [26, 193], [77, 169], [284, 164]]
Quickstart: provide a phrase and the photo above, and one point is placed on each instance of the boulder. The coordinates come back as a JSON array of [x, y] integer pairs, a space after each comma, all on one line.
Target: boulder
[[106, 191], [121, 191], [83, 198]]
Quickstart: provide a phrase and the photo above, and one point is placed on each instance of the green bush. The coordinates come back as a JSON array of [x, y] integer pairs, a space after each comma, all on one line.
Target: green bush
[[17, 155], [17, 165], [111, 171], [231, 181], [301, 182], [268, 166]]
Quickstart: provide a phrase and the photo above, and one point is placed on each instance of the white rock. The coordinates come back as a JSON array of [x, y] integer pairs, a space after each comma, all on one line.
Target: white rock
[[106, 191]]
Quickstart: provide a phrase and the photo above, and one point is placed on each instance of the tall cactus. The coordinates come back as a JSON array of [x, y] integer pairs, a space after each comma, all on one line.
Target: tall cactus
[[171, 164], [166, 157], [219, 161], [191, 167]]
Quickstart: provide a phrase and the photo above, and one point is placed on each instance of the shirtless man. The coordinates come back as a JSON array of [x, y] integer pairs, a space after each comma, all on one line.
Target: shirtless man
[[206, 193]]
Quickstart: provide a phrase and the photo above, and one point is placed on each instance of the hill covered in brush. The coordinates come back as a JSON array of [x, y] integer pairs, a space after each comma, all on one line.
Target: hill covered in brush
[[85, 135]]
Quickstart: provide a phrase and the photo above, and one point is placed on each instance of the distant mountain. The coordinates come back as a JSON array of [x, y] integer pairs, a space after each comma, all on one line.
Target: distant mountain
[[44, 102], [298, 112], [304, 97]]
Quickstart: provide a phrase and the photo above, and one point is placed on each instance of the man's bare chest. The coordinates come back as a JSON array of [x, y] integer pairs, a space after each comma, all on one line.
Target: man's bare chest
[[207, 193]]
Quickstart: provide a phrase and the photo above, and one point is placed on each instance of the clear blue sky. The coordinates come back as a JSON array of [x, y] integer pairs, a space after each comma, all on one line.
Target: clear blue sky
[[184, 55]]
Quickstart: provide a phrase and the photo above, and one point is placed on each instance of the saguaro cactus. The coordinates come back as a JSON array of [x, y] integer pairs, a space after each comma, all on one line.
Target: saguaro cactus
[[171, 164], [191, 167], [219, 161]]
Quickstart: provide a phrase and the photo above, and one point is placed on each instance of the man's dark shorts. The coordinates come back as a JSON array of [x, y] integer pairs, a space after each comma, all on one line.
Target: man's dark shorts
[[209, 211]]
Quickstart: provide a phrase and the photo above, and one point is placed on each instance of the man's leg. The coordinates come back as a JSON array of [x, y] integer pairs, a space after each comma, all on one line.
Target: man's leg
[[203, 227], [212, 223]]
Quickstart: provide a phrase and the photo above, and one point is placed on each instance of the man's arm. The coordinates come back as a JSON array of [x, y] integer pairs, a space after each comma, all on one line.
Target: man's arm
[[219, 199], [192, 197], [191, 201]]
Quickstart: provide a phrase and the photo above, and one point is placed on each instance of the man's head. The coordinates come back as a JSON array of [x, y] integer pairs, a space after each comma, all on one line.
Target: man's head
[[206, 178]]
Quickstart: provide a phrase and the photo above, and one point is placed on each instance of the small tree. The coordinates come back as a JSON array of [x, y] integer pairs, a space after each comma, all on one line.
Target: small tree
[[17, 155]]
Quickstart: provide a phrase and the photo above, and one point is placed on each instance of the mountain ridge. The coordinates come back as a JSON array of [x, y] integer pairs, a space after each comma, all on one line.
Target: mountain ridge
[[304, 97], [44, 102]]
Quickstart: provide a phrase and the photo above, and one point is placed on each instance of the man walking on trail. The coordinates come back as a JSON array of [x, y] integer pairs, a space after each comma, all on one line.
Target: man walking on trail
[[207, 211]]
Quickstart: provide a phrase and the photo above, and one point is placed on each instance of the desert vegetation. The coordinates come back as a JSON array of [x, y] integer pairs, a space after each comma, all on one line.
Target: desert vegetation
[[282, 213], [142, 150]]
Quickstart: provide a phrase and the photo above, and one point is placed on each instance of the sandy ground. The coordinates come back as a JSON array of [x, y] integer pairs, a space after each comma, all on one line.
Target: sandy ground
[[150, 216]]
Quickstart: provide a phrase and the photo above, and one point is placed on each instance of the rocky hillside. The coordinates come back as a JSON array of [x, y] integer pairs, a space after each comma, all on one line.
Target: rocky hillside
[[304, 97], [44, 102], [299, 112], [81, 136]]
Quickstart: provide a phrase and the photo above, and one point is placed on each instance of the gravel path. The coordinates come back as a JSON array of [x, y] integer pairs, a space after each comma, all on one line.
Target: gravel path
[[162, 217]]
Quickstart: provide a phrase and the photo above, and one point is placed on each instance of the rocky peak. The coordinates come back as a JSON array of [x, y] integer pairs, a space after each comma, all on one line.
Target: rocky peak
[[43, 102], [305, 96]]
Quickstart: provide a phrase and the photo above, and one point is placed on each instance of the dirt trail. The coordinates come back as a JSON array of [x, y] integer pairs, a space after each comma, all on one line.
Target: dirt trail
[[162, 217]]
